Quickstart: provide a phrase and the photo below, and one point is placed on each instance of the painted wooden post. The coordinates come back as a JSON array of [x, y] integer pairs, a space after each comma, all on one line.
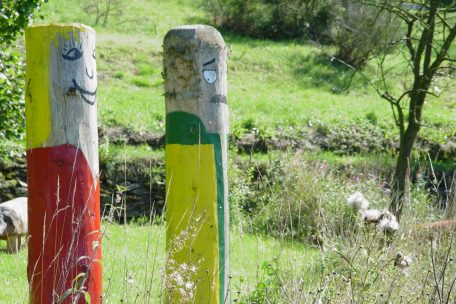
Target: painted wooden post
[[196, 164], [62, 161]]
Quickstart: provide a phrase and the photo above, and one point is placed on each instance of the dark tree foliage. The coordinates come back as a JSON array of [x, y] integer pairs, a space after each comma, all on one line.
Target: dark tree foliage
[[274, 19], [14, 17], [361, 32], [11, 95]]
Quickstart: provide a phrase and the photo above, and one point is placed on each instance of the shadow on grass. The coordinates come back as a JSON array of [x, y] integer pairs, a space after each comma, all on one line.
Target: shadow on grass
[[315, 70], [232, 37], [322, 71]]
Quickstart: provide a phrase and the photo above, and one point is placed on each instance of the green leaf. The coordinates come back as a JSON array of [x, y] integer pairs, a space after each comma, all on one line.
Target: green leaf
[[65, 295], [87, 297]]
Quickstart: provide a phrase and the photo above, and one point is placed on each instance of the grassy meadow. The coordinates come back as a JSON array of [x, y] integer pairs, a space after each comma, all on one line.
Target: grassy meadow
[[293, 237], [134, 260], [273, 84]]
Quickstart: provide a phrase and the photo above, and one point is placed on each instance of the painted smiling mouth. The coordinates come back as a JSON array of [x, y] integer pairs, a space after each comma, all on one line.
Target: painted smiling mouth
[[85, 93]]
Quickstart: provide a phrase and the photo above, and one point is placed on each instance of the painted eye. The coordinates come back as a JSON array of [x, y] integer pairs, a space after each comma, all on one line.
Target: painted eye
[[94, 55], [210, 75], [72, 54]]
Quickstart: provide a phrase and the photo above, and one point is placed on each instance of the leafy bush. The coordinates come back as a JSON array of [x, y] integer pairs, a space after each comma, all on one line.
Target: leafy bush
[[275, 198], [277, 19], [291, 197], [358, 31], [11, 95], [14, 17], [355, 137], [269, 284], [361, 32]]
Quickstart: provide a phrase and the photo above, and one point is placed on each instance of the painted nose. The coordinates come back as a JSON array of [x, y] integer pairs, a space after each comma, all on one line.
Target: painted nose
[[89, 75]]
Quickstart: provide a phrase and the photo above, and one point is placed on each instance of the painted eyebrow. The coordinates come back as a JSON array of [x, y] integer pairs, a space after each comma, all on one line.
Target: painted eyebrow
[[209, 62]]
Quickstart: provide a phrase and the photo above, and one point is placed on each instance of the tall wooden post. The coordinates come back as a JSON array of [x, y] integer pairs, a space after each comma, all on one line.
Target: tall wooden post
[[62, 161], [196, 164]]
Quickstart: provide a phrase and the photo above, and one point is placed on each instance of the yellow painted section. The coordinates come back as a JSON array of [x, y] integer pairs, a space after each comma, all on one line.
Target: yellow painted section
[[39, 40], [192, 234]]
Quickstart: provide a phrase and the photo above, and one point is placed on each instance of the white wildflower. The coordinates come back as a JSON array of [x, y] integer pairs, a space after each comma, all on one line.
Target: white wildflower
[[403, 262], [372, 215], [189, 285], [183, 292], [358, 201], [131, 280], [179, 280], [118, 198], [193, 269], [388, 222], [183, 267]]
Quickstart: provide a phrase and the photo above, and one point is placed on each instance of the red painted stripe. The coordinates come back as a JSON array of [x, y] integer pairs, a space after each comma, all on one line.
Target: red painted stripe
[[64, 224]]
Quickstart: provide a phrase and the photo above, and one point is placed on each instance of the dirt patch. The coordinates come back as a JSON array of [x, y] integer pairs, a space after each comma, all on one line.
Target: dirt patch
[[138, 184], [120, 135]]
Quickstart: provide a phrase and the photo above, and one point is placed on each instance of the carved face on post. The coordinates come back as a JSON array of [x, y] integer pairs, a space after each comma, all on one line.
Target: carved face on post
[[76, 58], [212, 61], [61, 89], [62, 161], [214, 81], [196, 141], [195, 75], [73, 91]]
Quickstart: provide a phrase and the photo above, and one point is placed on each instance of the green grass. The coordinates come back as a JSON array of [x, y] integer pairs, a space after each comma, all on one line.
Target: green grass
[[119, 153], [134, 257], [289, 84], [271, 83], [14, 274]]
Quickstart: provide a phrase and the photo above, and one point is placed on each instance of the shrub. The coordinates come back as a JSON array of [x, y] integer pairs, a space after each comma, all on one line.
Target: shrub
[[355, 137], [276, 19], [361, 32], [11, 95], [278, 198], [14, 17], [289, 204]]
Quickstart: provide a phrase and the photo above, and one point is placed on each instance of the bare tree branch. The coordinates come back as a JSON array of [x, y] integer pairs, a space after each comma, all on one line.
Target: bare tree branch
[[408, 38]]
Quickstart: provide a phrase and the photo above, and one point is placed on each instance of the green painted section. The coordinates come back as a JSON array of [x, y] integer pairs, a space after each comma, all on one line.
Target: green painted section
[[188, 129]]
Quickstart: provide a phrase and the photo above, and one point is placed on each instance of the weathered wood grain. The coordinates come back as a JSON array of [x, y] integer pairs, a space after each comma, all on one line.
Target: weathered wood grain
[[196, 162], [62, 163]]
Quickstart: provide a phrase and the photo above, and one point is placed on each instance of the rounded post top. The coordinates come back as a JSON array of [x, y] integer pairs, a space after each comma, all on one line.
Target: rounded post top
[[194, 35], [56, 27]]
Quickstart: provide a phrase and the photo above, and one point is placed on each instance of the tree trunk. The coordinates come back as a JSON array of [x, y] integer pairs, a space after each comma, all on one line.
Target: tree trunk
[[402, 169]]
